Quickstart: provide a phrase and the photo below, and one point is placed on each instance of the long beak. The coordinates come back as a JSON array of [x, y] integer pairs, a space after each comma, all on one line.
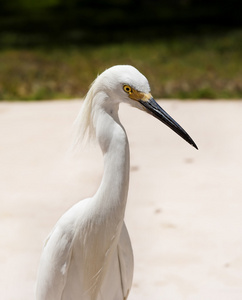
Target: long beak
[[153, 108]]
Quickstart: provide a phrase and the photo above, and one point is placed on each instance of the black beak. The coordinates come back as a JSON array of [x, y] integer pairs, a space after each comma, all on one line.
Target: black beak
[[155, 110]]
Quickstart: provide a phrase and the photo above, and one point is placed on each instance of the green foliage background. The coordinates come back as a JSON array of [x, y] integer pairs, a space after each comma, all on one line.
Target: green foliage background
[[188, 49]]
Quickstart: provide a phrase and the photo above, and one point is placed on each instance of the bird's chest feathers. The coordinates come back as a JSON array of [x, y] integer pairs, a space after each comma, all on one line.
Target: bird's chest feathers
[[95, 247]]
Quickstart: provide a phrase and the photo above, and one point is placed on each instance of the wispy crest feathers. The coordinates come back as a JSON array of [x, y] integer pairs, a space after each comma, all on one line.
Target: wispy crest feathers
[[83, 125]]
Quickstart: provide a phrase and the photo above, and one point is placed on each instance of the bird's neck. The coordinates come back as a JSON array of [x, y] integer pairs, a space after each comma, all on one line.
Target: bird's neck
[[112, 193]]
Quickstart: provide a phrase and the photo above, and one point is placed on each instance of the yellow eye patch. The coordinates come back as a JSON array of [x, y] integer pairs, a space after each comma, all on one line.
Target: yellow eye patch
[[136, 95]]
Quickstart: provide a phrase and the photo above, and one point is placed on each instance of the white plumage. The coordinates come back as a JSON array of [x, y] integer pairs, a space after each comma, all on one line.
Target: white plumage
[[88, 254]]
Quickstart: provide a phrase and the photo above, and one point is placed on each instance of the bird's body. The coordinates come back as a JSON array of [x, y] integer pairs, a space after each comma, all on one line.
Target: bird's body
[[77, 266], [88, 255]]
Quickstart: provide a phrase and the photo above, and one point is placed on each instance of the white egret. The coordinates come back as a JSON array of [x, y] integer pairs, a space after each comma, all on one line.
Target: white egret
[[88, 254]]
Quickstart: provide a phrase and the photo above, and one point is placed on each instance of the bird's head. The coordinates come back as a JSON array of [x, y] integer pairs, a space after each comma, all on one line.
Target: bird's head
[[118, 84], [126, 84]]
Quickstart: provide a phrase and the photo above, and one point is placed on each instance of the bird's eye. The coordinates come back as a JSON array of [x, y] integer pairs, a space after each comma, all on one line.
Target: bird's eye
[[127, 89]]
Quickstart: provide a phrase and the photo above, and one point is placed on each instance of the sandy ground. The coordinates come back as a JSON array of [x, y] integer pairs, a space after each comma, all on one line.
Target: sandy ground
[[184, 211]]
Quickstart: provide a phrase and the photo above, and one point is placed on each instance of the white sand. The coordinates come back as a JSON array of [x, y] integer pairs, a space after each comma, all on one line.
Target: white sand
[[184, 211]]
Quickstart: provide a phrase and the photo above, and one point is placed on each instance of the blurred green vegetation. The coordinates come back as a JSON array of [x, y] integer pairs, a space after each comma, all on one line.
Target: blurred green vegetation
[[53, 49], [207, 66]]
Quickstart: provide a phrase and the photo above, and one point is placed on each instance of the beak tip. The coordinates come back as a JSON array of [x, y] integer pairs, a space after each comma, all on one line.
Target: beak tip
[[191, 142], [195, 146]]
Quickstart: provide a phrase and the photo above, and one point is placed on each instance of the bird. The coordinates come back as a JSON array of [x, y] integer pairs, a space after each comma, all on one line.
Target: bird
[[88, 254]]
